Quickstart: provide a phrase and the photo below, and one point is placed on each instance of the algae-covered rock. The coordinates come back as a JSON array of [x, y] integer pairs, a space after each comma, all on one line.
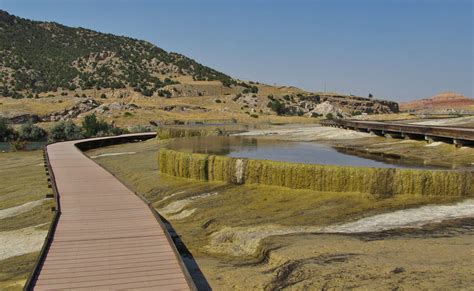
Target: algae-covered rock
[[186, 165], [383, 182], [175, 132]]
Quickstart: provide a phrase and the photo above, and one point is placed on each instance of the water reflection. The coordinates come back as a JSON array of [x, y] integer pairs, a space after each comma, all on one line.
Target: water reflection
[[300, 152]]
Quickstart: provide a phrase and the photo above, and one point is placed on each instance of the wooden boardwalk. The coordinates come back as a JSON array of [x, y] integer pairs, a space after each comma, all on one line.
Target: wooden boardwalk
[[106, 238]]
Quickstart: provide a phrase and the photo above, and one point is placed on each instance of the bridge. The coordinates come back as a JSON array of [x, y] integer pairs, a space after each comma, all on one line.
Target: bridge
[[456, 135], [103, 235]]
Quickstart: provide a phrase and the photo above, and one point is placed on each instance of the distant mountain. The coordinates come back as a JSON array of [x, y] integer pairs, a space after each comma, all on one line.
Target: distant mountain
[[442, 101], [44, 56]]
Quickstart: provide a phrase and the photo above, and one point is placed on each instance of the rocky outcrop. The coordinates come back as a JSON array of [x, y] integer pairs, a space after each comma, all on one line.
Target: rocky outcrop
[[108, 108], [19, 119], [80, 108], [337, 105], [354, 104], [184, 108], [324, 109]]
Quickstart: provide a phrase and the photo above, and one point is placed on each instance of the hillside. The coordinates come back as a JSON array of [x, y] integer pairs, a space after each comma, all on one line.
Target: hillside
[[446, 101], [44, 56], [50, 72]]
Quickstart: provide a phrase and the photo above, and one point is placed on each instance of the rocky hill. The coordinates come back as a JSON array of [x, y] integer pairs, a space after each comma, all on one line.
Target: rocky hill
[[51, 72], [445, 101]]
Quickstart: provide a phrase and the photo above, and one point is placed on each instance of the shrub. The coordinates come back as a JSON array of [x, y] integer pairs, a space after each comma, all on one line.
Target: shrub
[[117, 130], [92, 126], [31, 132], [329, 116], [127, 114], [18, 145], [147, 92], [218, 101], [6, 132], [277, 106], [65, 130], [102, 96], [164, 93], [254, 115], [140, 128]]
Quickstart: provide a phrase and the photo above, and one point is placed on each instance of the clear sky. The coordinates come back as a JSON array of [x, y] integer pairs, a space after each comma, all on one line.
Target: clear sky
[[394, 49]]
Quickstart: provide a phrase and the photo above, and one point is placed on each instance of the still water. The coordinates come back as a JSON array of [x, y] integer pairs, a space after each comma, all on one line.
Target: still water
[[299, 152], [34, 145]]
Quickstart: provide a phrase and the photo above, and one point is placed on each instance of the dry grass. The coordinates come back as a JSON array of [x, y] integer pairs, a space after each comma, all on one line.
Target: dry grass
[[387, 117], [14, 271], [151, 108], [11, 107], [23, 180]]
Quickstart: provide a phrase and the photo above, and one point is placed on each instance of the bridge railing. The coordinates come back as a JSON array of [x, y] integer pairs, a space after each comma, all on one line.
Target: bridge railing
[[432, 131]]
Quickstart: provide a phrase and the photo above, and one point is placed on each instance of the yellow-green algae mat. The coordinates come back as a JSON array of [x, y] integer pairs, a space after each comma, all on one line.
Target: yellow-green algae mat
[[375, 181]]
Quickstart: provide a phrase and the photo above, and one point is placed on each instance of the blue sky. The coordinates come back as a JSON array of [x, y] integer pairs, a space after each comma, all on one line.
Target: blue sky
[[394, 49]]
